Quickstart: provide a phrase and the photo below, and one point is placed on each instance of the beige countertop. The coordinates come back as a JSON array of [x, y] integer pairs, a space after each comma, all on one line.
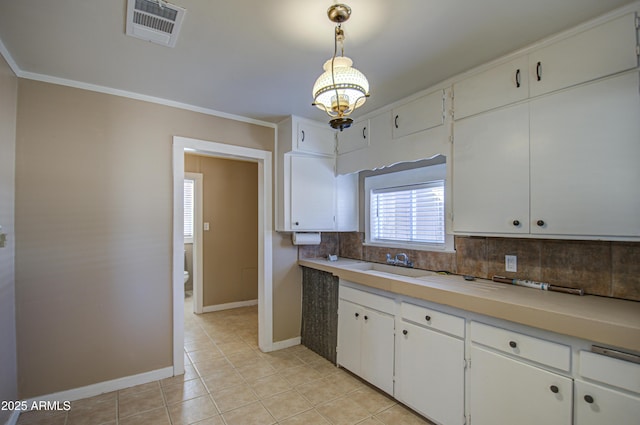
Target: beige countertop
[[608, 321]]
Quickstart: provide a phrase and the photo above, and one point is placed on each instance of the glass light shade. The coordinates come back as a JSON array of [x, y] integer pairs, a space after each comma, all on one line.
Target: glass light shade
[[351, 85]]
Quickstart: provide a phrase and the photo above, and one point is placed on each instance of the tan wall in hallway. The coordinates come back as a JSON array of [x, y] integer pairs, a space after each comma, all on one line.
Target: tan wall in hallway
[[8, 105], [230, 247], [94, 223]]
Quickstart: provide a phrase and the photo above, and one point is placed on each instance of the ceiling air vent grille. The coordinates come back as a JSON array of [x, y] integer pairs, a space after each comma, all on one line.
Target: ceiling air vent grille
[[154, 20]]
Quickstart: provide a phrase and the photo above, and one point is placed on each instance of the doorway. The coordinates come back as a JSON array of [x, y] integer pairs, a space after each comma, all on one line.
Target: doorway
[[264, 161], [193, 238]]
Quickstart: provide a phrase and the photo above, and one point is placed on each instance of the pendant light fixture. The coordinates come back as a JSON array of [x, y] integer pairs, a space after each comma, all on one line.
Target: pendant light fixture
[[341, 88]]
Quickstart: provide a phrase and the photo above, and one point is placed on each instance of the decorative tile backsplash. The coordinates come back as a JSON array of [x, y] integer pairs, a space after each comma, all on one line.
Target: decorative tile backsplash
[[610, 269]]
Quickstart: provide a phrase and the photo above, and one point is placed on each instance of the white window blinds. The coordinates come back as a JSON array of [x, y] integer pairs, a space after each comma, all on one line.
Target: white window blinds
[[188, 209], [412, 213]]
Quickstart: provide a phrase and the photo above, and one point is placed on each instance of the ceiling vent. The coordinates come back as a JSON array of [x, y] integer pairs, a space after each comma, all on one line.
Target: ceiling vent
[[154, 20]]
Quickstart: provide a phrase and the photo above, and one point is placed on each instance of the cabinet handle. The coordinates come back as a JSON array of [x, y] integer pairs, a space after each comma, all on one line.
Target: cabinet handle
[[518, 78], [539, 71], [404, 332], [540, 223], [588, 399], [357, 314], [364, 132], [554, 389], [516, 222], [302, 131], [297, 223], [513, 344], [366, 317], [427, 318], [395, 121]]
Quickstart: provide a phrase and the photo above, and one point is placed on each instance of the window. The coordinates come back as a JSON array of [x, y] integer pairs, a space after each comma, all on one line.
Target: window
[[409, 213], [188, 210], [407, 209]]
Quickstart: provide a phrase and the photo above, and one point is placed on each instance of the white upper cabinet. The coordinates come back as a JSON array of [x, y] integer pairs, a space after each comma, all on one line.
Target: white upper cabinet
[[504, 84], [380, 133], [312, 186], [421, 114], [594, 53], [309, 196], [297, 134], [315, 138], [585, 147], [491, 172], [354, 138], [603, 50], [562, 165]]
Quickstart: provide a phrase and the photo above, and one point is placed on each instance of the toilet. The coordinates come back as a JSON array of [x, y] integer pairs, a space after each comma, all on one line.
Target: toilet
[[186, 272]]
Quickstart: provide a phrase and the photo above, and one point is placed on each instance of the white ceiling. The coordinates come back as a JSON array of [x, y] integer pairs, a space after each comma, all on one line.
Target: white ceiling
[[260, 58]]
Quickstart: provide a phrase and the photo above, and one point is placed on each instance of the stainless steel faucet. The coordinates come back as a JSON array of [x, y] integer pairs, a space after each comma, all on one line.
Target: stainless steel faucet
[[400, 259]]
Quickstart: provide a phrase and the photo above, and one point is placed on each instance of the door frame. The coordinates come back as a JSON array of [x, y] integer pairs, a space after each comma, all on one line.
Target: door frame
[[265, 228]]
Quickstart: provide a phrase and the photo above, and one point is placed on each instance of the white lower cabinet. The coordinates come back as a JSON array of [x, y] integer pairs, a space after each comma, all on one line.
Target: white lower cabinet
[[430, 373], [598, 405], [612, 396], [365, 336], [455, 370], [503, 390]]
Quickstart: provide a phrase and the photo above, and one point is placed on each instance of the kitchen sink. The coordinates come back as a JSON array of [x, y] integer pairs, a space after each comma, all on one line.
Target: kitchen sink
[[376, 268]]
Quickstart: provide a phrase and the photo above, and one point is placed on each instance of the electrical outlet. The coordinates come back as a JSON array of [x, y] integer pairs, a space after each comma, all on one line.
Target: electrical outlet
[[511, 263]]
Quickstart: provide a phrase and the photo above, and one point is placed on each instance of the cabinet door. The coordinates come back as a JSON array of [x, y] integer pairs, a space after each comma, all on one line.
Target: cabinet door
[[597, 52], [506, 83], [585, 146], [314, 138], [505, 391], [380, 133], [354, 138], [430, 373], [491, 172], [596, 405], [378, 350], [312, 193], [421, 114], [350, 317], [347, 203]]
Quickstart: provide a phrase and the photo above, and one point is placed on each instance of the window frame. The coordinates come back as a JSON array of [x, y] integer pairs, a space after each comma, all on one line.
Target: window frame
[[189, 239], [411, 177]]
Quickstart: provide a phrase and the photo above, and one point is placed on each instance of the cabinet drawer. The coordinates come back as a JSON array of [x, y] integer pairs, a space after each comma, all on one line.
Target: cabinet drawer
[[619, 373], [527, 347], [367, 299], [433, 319]]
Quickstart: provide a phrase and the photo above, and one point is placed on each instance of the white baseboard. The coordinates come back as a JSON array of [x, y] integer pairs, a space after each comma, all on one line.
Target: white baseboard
[[219, 307], [280, 345], [105, 387]]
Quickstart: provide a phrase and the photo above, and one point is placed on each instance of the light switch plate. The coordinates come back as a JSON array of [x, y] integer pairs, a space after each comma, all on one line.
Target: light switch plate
[[511, 263]]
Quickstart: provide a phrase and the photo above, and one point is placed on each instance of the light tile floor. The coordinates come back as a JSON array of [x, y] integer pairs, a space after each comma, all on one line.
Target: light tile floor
[[229, 381]]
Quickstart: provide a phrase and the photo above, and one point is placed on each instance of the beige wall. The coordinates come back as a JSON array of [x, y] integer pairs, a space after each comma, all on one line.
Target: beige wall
[[230, 246], [8, 104], [93, 225]]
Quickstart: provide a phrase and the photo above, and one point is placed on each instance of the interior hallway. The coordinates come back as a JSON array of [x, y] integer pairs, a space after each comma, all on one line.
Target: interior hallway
[[229, 381]]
